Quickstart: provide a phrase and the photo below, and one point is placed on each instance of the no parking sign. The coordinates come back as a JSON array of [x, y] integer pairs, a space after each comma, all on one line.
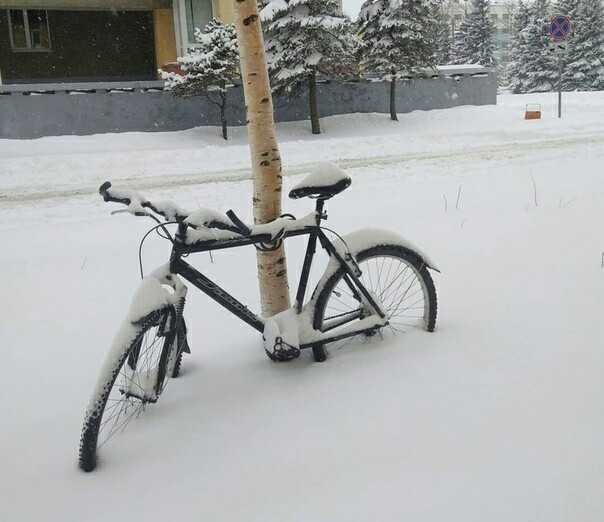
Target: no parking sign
[[559, 27]]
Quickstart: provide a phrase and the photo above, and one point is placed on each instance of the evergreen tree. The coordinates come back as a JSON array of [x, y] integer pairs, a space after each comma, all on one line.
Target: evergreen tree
[[443, 53], [305, 39], [209, 67], [542, 71], [516, 70], [399, 38], [533, 67], [474, 42], [458, 47], [566, 7], [584, 60], [445, 32]]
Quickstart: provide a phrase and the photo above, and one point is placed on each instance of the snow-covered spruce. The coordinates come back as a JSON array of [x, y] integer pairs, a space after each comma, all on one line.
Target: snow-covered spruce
[[583, 66], [445, 43], [400, 37], [305, 39], [210, 67], [474, 40], [515, 70], [532, 67]]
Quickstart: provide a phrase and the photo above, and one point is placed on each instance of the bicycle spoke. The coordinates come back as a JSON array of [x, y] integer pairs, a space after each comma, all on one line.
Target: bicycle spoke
[[137, 382], [395, 281]]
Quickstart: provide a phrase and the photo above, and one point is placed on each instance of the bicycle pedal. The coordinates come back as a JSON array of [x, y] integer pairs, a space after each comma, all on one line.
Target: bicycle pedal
[[283, 354]]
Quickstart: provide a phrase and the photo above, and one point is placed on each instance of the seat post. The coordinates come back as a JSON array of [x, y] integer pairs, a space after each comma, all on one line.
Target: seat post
[[310, 252], [319, 209]]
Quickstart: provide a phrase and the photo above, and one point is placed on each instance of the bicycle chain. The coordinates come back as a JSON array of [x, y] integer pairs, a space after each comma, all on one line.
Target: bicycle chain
[[339, 315]]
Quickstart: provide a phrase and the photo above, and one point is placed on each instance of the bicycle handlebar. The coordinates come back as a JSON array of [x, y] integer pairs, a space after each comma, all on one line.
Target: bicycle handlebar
[[104, 191], [137, 204]]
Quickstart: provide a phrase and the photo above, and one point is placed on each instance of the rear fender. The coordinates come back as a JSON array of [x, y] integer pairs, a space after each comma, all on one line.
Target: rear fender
[[355, 242]]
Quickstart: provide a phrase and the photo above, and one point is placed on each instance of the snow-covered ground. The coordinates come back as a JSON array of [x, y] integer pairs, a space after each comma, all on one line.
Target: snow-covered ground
[[496, 416]]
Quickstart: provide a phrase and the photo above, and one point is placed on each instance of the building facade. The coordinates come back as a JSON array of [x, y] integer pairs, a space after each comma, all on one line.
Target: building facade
[[45, 41]]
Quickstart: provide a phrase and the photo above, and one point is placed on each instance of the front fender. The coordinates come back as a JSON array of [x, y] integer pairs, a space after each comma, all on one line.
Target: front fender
[[158, 290]]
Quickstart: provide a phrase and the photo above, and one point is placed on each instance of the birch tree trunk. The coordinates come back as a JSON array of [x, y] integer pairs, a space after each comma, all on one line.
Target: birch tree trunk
[[264, 152]]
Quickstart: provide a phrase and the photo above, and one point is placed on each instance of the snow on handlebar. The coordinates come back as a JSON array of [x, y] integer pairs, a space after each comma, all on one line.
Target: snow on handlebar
[[137, 204], [204, 218]]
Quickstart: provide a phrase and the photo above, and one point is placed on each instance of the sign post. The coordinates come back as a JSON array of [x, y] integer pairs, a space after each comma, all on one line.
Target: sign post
[[559, 29]]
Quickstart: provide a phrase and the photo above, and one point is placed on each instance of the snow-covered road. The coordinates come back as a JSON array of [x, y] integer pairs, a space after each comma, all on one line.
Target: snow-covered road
[[521, 151], [68, 166]]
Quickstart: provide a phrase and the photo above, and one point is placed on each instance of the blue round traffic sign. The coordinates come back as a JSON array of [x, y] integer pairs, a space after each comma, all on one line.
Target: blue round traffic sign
[[559, 27]]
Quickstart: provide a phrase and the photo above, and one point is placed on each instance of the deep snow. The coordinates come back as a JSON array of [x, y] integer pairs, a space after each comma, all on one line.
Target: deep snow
[[496, 416]]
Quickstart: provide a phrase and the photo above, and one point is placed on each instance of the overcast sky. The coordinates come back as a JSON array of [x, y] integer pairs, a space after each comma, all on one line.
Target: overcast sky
[[351, 7]]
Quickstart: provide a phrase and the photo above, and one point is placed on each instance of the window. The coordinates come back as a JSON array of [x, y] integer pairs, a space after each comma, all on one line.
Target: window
[[199, 14], [494, 17], [457, 17], [28, 30], [506, 17]]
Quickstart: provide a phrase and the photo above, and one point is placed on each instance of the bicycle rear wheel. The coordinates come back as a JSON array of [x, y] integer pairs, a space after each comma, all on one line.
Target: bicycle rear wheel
[[133, 378], [397, 276]]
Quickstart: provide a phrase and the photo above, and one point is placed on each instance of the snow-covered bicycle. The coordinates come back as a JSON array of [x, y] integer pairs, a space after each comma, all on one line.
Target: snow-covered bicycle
[[375, 280]]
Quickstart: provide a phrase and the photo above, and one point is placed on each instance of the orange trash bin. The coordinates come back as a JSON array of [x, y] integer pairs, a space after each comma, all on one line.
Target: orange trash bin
[[532, 111]]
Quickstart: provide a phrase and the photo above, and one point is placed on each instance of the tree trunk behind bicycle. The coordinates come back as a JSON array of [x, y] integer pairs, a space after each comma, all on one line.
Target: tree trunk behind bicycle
[[314, 106], [264, 152], [393, 115]]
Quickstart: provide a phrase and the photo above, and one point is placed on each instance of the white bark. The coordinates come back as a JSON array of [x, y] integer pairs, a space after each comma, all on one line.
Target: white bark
[[264, 152]]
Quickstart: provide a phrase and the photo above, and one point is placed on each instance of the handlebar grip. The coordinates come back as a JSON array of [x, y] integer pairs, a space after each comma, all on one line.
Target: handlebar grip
[[240, 224], [103, 190]]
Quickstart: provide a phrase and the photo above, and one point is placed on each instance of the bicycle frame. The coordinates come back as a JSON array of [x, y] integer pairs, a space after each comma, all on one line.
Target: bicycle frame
[[227, 301]]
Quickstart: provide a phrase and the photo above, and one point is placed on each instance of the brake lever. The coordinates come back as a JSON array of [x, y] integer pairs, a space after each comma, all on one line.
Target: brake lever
[[135, 213], [238, 223]]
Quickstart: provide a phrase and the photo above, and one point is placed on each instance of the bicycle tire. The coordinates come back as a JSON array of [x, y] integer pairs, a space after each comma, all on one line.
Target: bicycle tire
[[182, 347], [388, 270], [126, 382]]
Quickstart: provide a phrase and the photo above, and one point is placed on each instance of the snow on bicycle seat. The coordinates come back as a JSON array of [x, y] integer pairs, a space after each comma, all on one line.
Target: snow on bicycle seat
[[324, 181]]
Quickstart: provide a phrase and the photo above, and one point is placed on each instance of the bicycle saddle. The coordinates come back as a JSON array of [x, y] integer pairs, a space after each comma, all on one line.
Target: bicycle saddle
[[324, 181]]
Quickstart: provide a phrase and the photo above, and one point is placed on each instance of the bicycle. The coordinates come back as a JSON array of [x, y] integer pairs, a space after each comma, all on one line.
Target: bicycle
[[374, 279]]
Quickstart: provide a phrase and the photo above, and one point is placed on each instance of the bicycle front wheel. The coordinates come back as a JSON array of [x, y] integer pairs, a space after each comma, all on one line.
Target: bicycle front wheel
[[135, 377], [397, 276]]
